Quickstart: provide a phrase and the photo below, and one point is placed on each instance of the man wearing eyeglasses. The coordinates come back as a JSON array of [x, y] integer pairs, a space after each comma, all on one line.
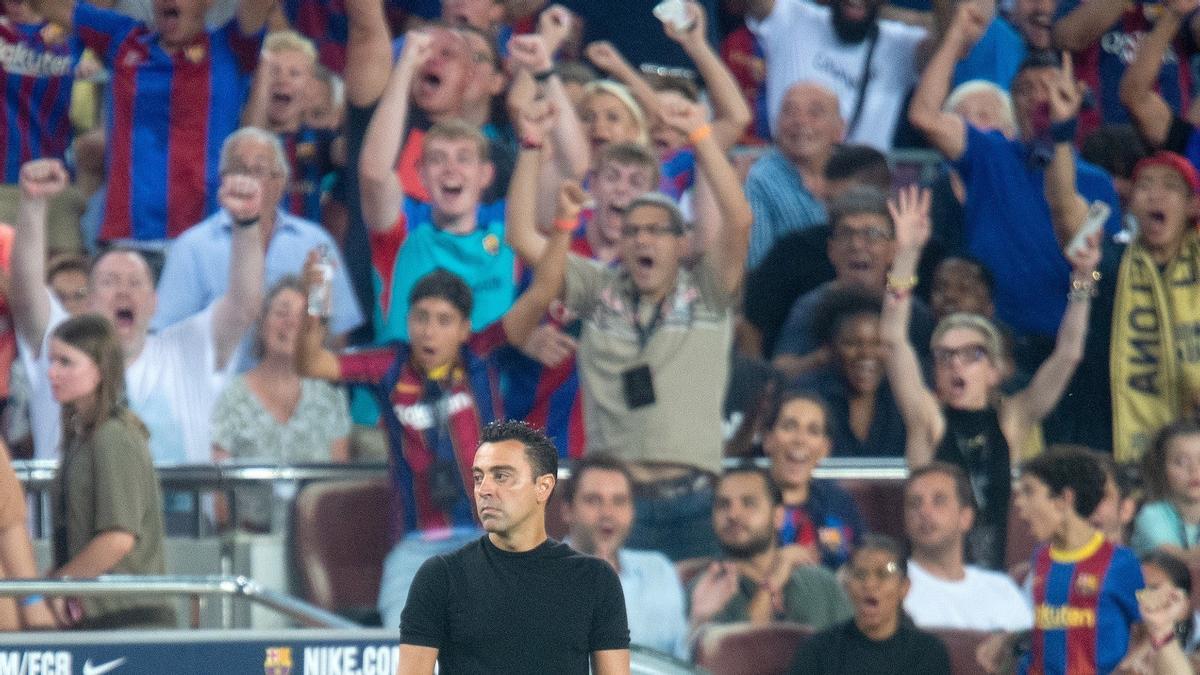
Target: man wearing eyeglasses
[[196, 271], [654, 348], [860, 247], [756, 580]]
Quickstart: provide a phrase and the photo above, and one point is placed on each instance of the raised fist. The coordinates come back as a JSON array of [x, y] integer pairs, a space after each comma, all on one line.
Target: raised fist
[[418, 46], [571, 200], [241, 196], [554, 25], [530, 52], [42, 178]]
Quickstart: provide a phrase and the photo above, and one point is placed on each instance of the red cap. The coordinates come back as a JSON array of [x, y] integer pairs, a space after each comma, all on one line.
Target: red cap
[[1175, 162]]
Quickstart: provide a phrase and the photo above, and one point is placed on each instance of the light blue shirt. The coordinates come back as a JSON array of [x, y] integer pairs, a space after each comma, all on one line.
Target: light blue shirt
[[481, 258], [1159, 524], [780, 203], [196, 271], [653, 602]]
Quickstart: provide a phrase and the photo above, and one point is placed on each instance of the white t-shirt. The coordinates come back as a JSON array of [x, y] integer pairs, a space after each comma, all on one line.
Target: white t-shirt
[[800, 45], [172, 386], [984, 600]]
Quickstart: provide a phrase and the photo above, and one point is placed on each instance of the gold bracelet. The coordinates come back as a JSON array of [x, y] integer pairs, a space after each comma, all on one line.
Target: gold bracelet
[[901, 285], [700, 133]]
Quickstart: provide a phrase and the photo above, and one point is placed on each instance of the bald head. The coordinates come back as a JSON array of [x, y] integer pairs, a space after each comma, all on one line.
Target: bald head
[[810, 124]]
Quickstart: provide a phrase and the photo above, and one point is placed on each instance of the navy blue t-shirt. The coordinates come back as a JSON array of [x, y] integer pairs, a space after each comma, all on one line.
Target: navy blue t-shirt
[[1008, 227]]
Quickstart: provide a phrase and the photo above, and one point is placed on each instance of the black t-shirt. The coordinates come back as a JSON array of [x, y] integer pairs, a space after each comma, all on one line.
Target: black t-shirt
[[492, 611], [975, 442], [844, 649], [794, 265], [633, 29]]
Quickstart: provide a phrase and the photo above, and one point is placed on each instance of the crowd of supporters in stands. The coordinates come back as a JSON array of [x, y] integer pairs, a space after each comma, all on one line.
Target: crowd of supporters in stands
[[963, 235]]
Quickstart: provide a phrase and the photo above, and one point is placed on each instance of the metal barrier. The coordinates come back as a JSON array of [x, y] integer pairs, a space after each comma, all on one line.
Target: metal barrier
[[38, 475], [235, 587]]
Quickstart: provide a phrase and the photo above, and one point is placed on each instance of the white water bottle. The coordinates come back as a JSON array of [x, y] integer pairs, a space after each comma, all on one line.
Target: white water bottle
[[320, 289]]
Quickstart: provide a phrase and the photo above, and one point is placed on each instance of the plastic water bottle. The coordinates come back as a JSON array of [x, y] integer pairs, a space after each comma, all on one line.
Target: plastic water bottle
[[320, 298]]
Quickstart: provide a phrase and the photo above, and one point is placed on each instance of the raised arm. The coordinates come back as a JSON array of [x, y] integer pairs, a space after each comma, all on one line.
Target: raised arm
[[61, 12], [313, 358], [922, 414], [368, 52], [29, 298], [1149, 110], [252, 15], [533, 118], [1085, 24], [237, 309], [572, 153], [549, 275], [381, 189], [1068, 208], [731, 113], [945, 130], [609, 60], [723, 223], [254, 114], [1035, 402]]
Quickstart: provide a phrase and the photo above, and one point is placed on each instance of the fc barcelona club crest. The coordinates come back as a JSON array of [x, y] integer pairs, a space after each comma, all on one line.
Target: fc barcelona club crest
[[491, 244], [195, 53], [1087, 584], [278, 661]]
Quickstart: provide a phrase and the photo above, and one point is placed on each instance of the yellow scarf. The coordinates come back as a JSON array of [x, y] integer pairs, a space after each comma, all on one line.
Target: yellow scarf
[[1155, 353]]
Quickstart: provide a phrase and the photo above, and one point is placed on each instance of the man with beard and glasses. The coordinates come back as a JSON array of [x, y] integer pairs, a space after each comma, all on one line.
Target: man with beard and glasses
[[869, 63], [757, 581]]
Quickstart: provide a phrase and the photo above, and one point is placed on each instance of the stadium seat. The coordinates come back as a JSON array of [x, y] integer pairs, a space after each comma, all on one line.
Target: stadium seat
[[880, 503], [1020, 543], [340, 539], [743, 649], [962, 644]]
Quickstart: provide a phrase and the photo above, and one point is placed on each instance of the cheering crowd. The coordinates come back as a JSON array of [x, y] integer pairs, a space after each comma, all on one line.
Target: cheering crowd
[[670, 236]]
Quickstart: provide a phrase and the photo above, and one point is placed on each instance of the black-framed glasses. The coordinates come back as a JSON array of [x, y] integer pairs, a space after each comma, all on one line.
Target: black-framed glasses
[[871, 235], [653, 229]]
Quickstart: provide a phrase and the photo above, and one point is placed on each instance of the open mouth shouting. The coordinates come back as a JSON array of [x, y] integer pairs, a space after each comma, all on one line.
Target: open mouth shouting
[[167, 18], [429, 83], [124, 317]]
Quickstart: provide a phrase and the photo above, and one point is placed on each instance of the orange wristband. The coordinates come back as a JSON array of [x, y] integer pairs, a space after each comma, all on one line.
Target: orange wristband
[[566, 224], [699, 134]]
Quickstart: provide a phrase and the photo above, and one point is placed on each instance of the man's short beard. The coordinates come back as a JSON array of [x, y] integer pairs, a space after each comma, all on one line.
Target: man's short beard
[[852, 32], [748, 550]]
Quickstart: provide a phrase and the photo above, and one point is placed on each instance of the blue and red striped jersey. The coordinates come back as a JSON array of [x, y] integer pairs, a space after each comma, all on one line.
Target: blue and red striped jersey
[[168, 114], [326, 24], [308, 155], [1084, 604], [38, 62], [433, 428]]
